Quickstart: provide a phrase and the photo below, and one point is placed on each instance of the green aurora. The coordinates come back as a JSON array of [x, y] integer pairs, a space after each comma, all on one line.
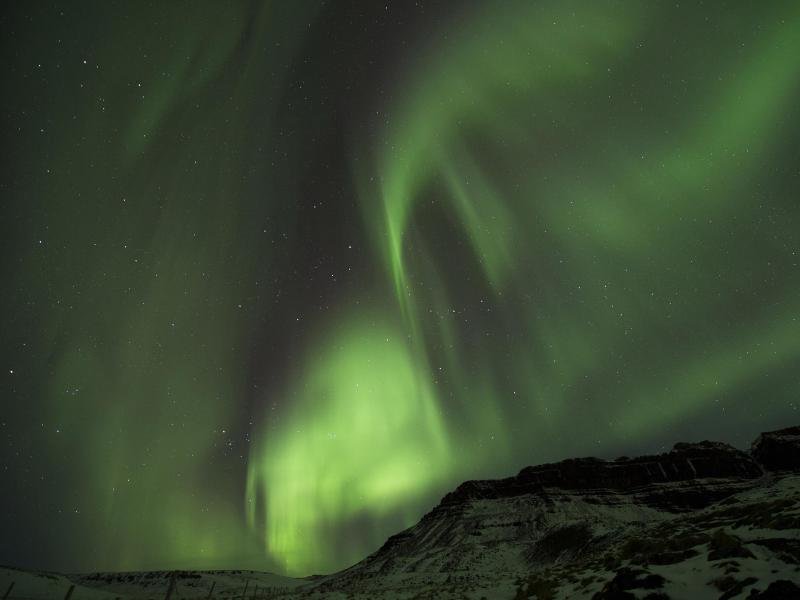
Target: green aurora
[[280, 275]]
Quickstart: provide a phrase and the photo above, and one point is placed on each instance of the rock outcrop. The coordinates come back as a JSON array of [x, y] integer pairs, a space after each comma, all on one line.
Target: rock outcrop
[[590, 525], [685, 463], [704, 520], [778, 450]]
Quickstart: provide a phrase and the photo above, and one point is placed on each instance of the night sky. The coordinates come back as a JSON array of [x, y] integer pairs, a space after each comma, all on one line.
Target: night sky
[[278, 275]]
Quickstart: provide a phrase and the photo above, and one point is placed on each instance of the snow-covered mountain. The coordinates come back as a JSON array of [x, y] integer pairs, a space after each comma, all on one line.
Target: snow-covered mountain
[[704, 520]]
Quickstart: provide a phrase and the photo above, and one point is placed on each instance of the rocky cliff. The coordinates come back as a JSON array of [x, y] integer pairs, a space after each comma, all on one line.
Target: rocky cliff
[[704, 520], [778, 450], [643, 477], [694, 522]]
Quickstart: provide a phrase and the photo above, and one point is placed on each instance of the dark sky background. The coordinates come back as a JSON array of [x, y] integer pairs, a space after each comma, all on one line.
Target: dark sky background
[[278, 275]]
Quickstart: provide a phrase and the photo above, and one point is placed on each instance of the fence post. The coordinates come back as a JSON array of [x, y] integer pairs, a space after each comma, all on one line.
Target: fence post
[[171, 588], [211, 591], [8, 591], [69, 592], [244, 592], [255, 592]]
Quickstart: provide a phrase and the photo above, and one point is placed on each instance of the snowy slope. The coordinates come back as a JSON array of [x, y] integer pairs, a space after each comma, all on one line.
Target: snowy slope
[[702, 521], [146, 584]]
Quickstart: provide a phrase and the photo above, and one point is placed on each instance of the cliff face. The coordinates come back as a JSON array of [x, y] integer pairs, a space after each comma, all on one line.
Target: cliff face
[[778, 450], [589, 518], [644, 475], [702, 521]]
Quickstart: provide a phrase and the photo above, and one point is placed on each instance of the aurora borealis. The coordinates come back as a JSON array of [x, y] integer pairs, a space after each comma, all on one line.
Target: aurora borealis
[[278, 275]]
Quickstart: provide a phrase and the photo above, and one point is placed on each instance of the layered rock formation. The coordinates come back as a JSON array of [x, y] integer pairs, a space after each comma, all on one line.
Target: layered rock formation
[[643, 477], [588, 520], [704, 520], [778, 450]]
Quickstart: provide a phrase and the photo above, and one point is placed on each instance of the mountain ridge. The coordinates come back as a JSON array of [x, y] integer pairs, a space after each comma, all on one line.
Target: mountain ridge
[[552, 513], [703, 520]]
